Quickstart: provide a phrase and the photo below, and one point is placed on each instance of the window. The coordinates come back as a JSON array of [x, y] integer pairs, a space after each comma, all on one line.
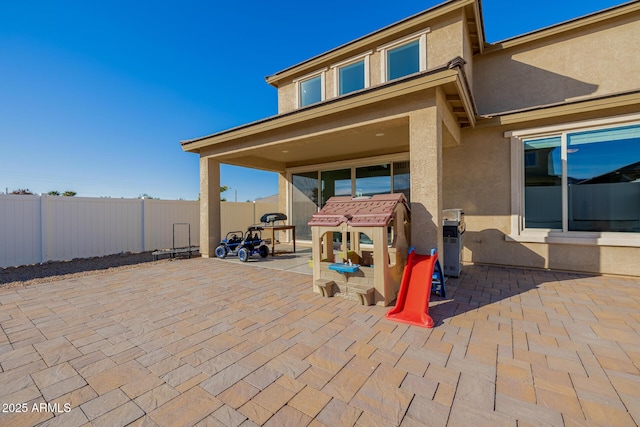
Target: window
[[372, 180], [304, 202], [603, 180], [404, 57], [401, 179], [403, 60], [310, 89], [543, 183], [351, 75], [335, 183], [579, 178], [310, 190]]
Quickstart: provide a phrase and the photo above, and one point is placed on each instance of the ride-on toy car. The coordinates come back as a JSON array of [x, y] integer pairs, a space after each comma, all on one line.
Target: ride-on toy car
[[244, 247], [252, 243], [229, 244]]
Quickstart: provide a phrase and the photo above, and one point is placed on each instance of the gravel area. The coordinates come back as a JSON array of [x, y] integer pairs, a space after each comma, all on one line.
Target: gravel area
[[57, 270]]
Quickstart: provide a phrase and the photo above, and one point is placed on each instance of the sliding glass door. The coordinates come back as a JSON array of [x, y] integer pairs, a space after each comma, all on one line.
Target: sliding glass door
[[311, 190]]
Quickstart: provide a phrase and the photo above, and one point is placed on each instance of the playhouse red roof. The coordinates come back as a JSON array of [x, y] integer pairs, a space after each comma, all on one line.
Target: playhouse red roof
[[374, 211]]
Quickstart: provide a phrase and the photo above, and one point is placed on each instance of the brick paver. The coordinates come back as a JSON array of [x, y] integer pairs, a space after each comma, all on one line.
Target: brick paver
[[211, 343]]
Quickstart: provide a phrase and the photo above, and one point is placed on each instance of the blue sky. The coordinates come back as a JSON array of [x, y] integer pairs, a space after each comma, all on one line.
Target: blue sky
[[95, 96]]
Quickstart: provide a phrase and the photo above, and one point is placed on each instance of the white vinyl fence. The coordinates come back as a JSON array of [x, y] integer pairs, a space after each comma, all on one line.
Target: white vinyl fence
[[35, 229], [237, 216]]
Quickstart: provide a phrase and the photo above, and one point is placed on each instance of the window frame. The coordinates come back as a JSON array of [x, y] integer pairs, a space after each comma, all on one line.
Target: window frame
[[518, 231], [336, 71], [421, 36], [298, 82]]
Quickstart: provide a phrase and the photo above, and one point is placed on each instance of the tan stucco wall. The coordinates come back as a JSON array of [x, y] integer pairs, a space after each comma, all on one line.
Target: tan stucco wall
[[597, 60], [477, 178], [445, 41], [287, 98], [425, 134]]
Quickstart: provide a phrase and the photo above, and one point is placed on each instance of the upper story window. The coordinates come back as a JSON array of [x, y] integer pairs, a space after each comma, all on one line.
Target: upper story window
[[404, 57], [310, 89], [351, 75]]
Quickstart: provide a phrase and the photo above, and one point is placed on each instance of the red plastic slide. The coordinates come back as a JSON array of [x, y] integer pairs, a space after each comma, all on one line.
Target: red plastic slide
[[412, 305]]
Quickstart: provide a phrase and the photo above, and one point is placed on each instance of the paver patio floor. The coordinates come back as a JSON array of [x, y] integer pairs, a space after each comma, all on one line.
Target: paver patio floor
[[205, 342]]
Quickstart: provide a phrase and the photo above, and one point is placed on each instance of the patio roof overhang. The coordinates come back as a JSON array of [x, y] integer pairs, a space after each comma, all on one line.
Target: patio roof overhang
[[370, 122]]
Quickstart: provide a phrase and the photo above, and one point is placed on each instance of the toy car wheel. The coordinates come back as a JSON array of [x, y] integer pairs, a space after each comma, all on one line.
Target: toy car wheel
[[243, 254], [263, 251], [221, 251]]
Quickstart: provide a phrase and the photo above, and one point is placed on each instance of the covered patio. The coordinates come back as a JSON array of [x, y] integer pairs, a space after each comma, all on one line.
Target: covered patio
[[409, 121], [218, 342]]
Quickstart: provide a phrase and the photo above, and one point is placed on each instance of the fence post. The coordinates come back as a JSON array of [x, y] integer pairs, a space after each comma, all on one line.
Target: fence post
[[43, 228], [144, 231]]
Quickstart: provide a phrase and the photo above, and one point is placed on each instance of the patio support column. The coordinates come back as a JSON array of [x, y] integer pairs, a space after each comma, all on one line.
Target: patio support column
[[425, 141], [209, 206]]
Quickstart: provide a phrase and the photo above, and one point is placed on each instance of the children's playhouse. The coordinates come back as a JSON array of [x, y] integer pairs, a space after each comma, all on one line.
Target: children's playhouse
[[360, 247]]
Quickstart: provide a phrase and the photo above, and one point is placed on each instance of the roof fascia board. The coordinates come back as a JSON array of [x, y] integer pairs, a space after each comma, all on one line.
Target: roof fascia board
[[615, 101], [477, 10], [467, 102], [563, 27], [376, 95], [363, 42]]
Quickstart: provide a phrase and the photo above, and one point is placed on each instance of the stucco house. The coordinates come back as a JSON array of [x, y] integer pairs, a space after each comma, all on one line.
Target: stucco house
[[536, 138]]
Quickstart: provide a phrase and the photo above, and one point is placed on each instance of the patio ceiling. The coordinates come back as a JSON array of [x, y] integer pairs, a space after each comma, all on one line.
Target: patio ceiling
[[370, 139]]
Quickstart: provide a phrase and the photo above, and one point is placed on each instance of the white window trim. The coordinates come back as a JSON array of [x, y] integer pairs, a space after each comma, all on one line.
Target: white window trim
[[336, 71], [421, 35], [299, 80], [525, 235]]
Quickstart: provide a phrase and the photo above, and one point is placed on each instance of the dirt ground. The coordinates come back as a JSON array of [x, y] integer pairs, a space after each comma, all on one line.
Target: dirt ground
[[57, 270]]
